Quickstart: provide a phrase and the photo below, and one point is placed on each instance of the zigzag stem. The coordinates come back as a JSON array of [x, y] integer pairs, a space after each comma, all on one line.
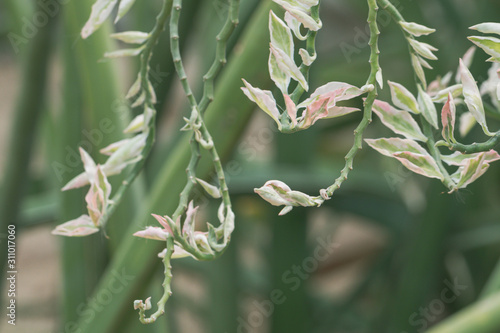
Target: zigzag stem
[[220, 55], [166, 285], [431, 141], [195, 146], [477, 147], [146, 54], [367, 111]]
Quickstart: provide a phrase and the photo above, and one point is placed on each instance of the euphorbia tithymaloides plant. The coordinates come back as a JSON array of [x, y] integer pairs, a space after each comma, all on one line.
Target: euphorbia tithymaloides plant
[[416, 149]]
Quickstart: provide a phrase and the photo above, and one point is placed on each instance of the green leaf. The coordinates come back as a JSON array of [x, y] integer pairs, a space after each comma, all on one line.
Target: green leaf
[[214, 191], [472, 170], [131, 37], [403, 98], [287, 65], [459, 159], [400, 121]]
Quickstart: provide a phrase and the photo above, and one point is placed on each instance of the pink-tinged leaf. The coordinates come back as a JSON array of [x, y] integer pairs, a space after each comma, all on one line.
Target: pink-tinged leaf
[[155, 233], [287, 65], [473, 97], [78, 227], [189, 221], [100, 12], [416, 29], [399, 121], [448, 119], [264, 99], [487, 28], [339, 111], [178, 253], [423, 49], [490, 45], [77, 182], [459, 159], [426, 106], [472, 170], [390, 146], [403, 98], [291, 110], [421, 164], [163, 221]]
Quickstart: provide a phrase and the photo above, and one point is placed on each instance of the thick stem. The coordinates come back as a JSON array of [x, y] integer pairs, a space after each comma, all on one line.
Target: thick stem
[[477, 147]]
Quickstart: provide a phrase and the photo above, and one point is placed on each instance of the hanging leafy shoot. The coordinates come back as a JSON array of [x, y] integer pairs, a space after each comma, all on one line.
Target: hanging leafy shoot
[[323, 103], [178, 231]]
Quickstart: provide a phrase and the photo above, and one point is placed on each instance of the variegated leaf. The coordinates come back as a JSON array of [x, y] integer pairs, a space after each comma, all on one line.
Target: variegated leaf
[[418, 69], [264, 99], [426, 106], [403, 98], [415, 29], [459, 159], [287, 65], [82, 226], [473, 97], [424, 49], [487, 28], [131, 37], [409, 153], [100, 12], [448, 119], [490, 45], [123, 8], [472, 170], [400, 121]]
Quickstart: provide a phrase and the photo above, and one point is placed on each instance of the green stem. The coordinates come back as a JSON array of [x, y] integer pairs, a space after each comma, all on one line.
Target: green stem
[[367, 113], [220, 55], [431, 146], [167, 290], [311, 49], [477, 147]]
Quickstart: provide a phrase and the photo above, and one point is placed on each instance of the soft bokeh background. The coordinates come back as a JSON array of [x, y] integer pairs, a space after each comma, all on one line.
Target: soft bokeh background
[[376, 258]]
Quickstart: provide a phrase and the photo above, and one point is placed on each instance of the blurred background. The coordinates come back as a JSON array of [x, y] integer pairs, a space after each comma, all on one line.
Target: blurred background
[[391, 252]]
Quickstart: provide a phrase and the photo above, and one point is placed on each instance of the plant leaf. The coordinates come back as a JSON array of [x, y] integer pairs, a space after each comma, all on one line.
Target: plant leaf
[[424, 49], [403, 98], [264, 99], [123, 8], [487, 28], [214, 191], [473, 97], [100, 12], [490, 45], [287, 65], [459, 159], [426, 105], [448, 120], [131, 37], [415, 29], [81, 226], [399, 121]]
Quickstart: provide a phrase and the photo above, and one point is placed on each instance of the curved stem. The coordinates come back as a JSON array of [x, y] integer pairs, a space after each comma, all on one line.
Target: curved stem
[[167, 290], [367, 112], [477, 147]]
